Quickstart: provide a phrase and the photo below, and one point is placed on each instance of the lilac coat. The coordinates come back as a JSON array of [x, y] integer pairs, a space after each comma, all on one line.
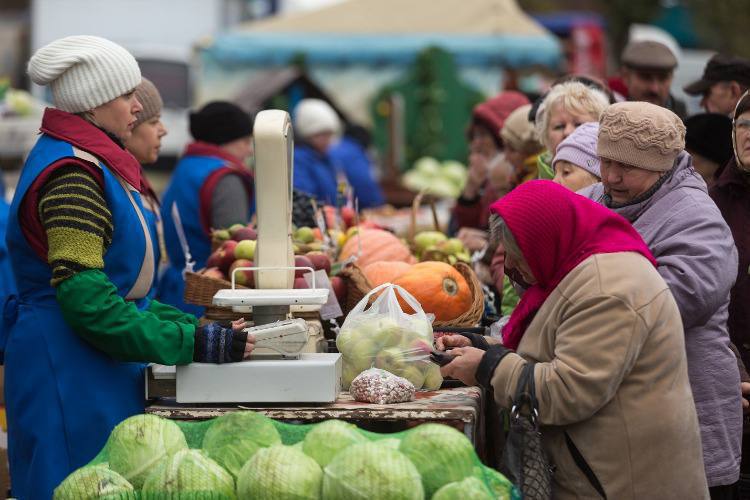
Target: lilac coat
[[697, 258]]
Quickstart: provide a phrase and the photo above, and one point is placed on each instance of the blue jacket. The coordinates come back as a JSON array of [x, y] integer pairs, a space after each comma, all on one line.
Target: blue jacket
[[352, 159], [315, 174], [7, 282]]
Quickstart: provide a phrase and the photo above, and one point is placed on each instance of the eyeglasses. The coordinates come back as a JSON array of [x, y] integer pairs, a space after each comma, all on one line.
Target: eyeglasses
[[742, 125]]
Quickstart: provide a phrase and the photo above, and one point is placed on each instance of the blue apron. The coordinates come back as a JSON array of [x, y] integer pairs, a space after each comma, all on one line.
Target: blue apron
[[63, 397], [188, 178]]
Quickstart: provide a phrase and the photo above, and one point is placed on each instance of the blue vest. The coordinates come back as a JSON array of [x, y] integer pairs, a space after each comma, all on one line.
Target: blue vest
[[188, 178], [63, 397]]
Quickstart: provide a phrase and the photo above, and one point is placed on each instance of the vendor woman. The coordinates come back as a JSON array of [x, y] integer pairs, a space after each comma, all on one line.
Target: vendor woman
[[212, 187], [76, 336]]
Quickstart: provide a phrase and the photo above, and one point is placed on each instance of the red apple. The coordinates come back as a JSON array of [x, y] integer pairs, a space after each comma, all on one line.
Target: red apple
[[339, 288], [214, 272], [214, 260], [228, 254], [300, 283], [319, 261], [347, 215], [245, 233], [301, 261], [244, 278]]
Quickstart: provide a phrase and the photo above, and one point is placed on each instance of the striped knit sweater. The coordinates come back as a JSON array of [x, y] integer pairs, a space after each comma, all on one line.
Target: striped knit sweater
[[77, 221]]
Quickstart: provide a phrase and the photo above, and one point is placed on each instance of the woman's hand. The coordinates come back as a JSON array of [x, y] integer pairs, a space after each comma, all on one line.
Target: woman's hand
[[238, 326], [452, 341], [464, 366]]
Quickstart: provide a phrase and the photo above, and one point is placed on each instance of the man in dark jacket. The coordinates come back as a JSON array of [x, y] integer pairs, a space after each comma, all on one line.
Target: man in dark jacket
[[724, 81]]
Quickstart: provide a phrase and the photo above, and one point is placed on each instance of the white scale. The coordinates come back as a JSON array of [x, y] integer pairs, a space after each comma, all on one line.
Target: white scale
[[280, 370]]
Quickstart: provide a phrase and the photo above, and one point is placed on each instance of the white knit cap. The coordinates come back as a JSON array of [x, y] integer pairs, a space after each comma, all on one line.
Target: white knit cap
[[84, 71], [313, 116]]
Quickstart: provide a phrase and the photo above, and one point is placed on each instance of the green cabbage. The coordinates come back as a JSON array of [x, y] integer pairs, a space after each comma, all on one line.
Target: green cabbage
[[441, 454], [192, 475], [470, 488], [138, 444], [328, 438], [280, 473], [234, 438], [94, 482], [500, 485], [369, 470]]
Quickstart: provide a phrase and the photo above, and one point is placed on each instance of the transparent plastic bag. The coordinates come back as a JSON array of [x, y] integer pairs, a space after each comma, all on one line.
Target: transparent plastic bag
[[384, 336], [381, 387]]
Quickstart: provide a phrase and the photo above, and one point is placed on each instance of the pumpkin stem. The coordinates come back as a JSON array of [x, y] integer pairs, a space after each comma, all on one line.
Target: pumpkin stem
[[450, 286]]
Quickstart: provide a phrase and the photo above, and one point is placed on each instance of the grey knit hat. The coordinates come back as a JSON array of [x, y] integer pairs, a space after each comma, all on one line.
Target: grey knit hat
[[641, 134], [149, 97], [84, 72], [579, 148]]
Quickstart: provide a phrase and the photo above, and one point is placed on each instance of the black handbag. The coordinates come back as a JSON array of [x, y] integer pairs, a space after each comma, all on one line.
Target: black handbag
[[524, 460]]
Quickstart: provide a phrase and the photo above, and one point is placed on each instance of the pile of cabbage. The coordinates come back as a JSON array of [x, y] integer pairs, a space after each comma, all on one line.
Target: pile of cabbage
[[243, 455]]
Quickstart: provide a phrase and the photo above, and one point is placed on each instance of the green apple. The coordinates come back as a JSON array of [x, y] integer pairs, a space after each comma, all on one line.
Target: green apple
[[348, 373], [390, 359], [432, 378], [413, 374], [388, 332], [362, 353], [345, 340], [304, 235], [422, 328], [245, 249], [426, 239], [452, 246]]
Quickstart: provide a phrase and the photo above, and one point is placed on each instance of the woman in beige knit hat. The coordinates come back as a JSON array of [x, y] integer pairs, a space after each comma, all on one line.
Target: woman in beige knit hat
[[649, 179]]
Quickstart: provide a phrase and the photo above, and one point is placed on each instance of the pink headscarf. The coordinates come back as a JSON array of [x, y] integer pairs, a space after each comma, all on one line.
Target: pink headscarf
[[557, 229]]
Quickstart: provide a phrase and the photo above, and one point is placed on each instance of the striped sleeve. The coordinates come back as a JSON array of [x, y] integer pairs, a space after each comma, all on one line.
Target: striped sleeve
[[77, 222]]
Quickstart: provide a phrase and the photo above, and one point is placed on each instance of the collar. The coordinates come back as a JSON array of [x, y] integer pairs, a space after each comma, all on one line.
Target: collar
[[638, 199], [84, 135], [733, 176], [200, 148]]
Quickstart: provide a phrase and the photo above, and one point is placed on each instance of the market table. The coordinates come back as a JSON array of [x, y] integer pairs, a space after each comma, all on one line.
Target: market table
[[460, 407]]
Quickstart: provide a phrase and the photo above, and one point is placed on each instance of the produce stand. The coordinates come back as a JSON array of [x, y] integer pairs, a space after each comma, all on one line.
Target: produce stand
[[462, 408]]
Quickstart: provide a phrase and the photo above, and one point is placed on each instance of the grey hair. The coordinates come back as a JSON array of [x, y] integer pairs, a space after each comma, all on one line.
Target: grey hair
[[574, 96], [500, 233]]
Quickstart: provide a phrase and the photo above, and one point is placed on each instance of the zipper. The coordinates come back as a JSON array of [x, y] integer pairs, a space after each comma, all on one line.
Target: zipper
[[584, 467]]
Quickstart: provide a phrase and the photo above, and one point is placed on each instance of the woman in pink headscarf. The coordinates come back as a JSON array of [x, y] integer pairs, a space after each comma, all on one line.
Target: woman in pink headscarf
[[603, 333]]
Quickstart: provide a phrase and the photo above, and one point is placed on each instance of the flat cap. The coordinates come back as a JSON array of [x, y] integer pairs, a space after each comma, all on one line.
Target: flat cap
[[648, 55], [721, 68]]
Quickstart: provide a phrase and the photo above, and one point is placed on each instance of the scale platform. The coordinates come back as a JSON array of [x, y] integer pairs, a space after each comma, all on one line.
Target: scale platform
[[313, 378]]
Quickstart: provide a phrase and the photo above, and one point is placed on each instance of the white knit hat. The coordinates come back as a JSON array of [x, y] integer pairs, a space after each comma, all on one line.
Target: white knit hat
[[313, 116], [84, 71]]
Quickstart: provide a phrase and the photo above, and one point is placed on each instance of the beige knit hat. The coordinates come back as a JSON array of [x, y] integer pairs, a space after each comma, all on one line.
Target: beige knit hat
[[149, 97], [519, 132], [84, 71], [641, 134]]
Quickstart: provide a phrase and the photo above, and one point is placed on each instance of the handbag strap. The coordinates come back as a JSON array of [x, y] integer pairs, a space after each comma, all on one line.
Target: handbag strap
[[526, 394]]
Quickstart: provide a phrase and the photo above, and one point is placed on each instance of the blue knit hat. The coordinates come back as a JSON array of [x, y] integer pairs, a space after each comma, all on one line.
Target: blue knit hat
[[579, 148]]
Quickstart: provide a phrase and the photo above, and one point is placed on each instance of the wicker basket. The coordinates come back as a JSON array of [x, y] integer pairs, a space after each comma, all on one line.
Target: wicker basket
[[473, 316], [200, 289], [357, 286]]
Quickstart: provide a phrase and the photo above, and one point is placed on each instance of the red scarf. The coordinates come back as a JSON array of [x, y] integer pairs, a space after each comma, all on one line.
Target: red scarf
[[557, 229]]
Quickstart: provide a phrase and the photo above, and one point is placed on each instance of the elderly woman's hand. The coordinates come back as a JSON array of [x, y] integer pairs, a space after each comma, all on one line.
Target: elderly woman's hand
[[451, 341], [464, 366]]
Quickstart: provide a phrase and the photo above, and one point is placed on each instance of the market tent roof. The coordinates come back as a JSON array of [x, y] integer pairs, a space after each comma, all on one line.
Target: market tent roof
[[393, 31]]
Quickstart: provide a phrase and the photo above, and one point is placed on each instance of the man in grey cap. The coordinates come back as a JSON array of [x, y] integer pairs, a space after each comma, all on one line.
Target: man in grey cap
[[647, 70], [724, 80]]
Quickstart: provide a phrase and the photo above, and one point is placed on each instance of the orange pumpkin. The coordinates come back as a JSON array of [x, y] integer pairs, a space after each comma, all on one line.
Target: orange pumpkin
[[439, 288], [376, 245], [385, 271]]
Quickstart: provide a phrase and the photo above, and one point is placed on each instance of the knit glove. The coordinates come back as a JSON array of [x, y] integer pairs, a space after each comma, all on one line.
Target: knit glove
[[216, 344]]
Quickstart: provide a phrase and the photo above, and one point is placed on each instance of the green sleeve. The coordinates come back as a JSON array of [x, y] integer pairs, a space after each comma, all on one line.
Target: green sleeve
[[510, 298], [91, 306], [169, 313]]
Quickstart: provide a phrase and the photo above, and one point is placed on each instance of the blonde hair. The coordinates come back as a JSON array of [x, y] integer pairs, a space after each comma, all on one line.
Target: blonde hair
[[574, 96]]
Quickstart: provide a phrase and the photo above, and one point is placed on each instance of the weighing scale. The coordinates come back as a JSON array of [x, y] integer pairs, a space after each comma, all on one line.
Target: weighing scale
[[282, 369]]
